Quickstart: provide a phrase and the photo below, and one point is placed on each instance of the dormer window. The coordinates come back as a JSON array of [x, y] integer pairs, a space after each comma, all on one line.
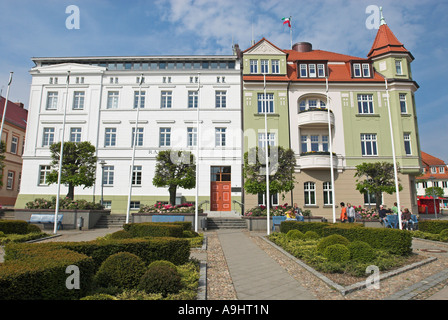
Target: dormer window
[[311, 70], [361, 70]]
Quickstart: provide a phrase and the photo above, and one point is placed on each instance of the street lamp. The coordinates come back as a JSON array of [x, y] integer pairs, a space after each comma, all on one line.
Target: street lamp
[[432, 179], [102, 163]]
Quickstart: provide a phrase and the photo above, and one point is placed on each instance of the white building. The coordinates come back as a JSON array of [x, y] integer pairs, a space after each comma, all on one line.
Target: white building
[[101, 107]]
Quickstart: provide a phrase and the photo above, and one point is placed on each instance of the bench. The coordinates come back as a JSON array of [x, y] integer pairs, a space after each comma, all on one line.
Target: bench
[[167, 218], [391, 221], [277, 220], [46, 219]]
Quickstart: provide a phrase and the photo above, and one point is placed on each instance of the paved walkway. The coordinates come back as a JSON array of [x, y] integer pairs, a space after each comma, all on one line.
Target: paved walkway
[[255, 275]]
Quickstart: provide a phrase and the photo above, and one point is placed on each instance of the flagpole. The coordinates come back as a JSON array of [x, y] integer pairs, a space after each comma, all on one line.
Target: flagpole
[[268, 197], [290, 32], [6, 104], [134, 143], [397, 191], [61, 155], [331, 153], [196, 209]]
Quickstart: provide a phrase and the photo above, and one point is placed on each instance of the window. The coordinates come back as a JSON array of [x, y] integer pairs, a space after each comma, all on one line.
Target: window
[[365, 70], [220, 137], [108, 175], [433, 169], [325, 143], [275, 66], [357, 70], [138, 139], [137, 176], [220, 99], [303, 70], [368, 144], [134, 205], [137, 80], [328, 193], [192, 99], [311, 103], [310, 193], [166, 99], [192, 136], [78, 100], [267, 103], [139, 96], [52, 100], [48, 137], [321, 70], [445, 184], [304, 143], [44, 171], [403, 106], [264, 66], [314, 143], [10, 180], [75, 134], [365, 103], [14, 144], [253, 66], [370, 198], [262, 199], [424, 185], [165, 137], [435, 184], [112, 100], [407, 143], [110, 137], [107, 204], [262, 140], [398, 68], [441, 169], [312, 69]]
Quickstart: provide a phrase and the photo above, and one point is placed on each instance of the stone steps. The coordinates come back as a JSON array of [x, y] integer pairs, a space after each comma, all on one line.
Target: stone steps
[[225, 223], [113, 220]]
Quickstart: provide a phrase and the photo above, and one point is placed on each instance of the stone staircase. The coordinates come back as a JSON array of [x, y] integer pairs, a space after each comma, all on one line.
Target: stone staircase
[[113, 220], [214, 223], [7, 214]]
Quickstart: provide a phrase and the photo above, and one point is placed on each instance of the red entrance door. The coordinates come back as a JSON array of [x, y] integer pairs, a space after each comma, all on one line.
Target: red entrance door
[[220, 189]]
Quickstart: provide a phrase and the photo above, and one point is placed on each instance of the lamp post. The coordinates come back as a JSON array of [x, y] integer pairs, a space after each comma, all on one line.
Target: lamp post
[[102, 163], [432, 179]]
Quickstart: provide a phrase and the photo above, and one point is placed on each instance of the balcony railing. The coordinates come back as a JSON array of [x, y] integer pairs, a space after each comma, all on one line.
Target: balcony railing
[[315, 116], [317, 160]]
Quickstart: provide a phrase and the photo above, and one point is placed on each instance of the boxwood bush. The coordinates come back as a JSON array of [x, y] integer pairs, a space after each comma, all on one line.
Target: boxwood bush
[[433, 226], [14, 226], [155, 229]]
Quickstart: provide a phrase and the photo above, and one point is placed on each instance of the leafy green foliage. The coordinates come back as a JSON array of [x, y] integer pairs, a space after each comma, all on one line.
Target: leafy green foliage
[[78, 165], [437, 191], [175, 169], [337, 253]]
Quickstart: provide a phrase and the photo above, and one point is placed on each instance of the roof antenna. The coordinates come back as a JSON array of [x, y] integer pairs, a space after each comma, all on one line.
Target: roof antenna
[[383, 21]]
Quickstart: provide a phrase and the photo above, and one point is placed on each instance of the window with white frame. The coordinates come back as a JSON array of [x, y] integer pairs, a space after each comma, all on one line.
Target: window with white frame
[[262, 199], [220, 99], [138, 139], [314, 143], [10, 180], [139, 99], [310, 193], [52, 100], [403, 106], [324, 143], [303, 70], [165, 137], [321, 70], [357, 70], [433, 169], [267, 103], [398, 67], [264, 66], [78, 100], [368, 144], [328, 193], [192, 136], [108, 175], [253, 66], [14, 144], [262, 140], [192, 99], [48, 137], [220, 137], [445, 184], [304, 143], [407, 143], [312, 70], [137, 176], [365, 103], [275, 66], [75, 134], [112, 99], [134, 205], [44, 171], [110, 137], [311, 103], [365, 70], [166, 99], [441, 169]]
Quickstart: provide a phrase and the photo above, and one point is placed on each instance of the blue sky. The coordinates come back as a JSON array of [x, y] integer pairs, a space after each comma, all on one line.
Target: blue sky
[[176, 27]]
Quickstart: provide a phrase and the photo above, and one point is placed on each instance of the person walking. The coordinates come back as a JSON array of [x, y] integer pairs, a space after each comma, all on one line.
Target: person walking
[[350, 213], [343, 213]]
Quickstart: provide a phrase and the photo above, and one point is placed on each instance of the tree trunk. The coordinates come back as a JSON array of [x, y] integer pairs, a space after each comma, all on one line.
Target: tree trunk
[[71, 191], [172, 190]]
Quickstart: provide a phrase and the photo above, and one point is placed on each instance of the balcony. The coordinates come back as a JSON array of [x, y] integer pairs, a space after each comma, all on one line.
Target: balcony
[[317, 160], [314, 117]]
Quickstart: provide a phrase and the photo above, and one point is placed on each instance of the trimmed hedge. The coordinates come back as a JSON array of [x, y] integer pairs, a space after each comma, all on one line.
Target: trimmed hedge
[[40, 273], [155, 229], [432, 226], [14, 226], [317, 227]]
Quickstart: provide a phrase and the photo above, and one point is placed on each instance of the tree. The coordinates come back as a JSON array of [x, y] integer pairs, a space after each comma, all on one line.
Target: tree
[[175, 169], [281, 170], [379, 177], [78, 165], [437, 191]]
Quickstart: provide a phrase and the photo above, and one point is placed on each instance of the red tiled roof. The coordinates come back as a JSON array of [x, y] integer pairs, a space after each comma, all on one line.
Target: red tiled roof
[[385, 41], [15, 114], [428, 161]]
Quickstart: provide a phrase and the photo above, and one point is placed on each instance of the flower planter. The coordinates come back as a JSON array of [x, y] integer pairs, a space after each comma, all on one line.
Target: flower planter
[[140, 217]]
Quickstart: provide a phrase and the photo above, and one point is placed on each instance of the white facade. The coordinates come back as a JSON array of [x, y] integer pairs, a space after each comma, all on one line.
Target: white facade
[[101, 108]]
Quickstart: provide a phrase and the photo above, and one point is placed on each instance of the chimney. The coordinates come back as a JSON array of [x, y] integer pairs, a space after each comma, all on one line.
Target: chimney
[[302, 47], [20, 104]]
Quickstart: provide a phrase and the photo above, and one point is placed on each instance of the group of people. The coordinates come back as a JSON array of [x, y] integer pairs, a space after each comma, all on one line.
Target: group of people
[[406, 216], [347, 213], [294, 213]]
